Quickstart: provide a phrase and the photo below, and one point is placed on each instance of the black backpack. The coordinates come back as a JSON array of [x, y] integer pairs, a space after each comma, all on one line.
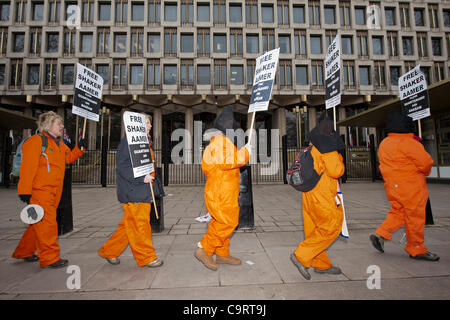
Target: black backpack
[[301, 175]]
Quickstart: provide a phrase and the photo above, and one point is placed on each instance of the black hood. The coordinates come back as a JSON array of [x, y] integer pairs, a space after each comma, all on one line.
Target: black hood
[[225, 120], [325, 138], [399, 123]]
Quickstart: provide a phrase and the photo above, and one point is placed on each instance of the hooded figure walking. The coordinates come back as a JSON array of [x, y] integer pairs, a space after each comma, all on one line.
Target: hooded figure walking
[[404, 165], [322, 217], [221, 162]]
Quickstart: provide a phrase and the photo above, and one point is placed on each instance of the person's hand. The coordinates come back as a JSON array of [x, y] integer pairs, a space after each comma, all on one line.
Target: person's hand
[[249, 148], [148, 178], [25, 198], [83, 143]]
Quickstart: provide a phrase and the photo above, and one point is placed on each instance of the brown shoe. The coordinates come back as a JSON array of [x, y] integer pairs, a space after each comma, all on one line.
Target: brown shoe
[[208, 261], [228, 260]]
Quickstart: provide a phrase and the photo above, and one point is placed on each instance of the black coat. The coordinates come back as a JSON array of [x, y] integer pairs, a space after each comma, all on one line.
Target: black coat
[[129, 189]]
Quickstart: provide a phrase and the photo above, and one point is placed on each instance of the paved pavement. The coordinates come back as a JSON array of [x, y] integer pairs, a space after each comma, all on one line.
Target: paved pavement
[[266, 272]]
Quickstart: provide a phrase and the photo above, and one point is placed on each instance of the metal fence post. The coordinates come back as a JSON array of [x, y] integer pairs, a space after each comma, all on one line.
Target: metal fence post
[[104, 163], [373, 159], [284, 157]]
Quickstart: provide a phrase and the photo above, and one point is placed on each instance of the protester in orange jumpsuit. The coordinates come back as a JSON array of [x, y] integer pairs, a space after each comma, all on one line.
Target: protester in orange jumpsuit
[[136, 197], [404, 165], [38, 185], [322, 217], [221, 163]]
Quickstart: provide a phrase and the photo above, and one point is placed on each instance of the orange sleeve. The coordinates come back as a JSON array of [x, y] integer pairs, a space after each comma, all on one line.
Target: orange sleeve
[[72, 155], [232, 157], [334, 166], [419, 156], [31, 152]]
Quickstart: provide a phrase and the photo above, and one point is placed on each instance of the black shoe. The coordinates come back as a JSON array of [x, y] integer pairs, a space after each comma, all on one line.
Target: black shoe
[[32, 258], [330, 270], [378, 242], [426, 256], [303, 271], [61, 263]]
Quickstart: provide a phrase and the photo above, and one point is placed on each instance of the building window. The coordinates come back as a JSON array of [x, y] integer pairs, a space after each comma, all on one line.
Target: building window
[[104, 9], [377, 45], [301, 75], [380, 78], [422, 44], [407, 46], [364, 75], [300, 42], [299, 14], [436, 43], [317, 73], [330, 15], [120, 42], [409, 65], [67, 5], [88, 11], [404, 15], [103, 41], [187, 73], [426, 72], [103, 71], [154, 42], [21, 11], [187, 42], [203, 74], [68, 74], [54, 11], [433, 13], [219, 12], [237, 74], [267, 13], [16, 73], [360, 15], [389, 14], [446, 18], [316, 44], [137, 41], [52, 42], [347, 44], [170, 41], [314, 13], [86, 42], [121, 11], [119, 73], [361, 40], [4, 11], [349, 74], [344, 13], [19, 41], [250, 71], [438, 71], [35, 41], [392, 44], [51, 68], [235, 12], [220, 73], [283, 12], [2, 74], [236, 42], [170, 12], [3, 40], [33, 74], [395, 73], [419, 17], [86, 63], [37, 10], [154, 11], [329, 37], [251, 12], [170, 74], [285, 74], [136, 74], [220, 43], [284, 42], [252, 43], [203, 45], [187, 11], [137, 11], [268, 40], [153, 73], [70, 36]]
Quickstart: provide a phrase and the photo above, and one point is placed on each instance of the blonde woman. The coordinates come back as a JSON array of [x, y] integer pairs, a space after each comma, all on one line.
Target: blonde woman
[[41, 182]]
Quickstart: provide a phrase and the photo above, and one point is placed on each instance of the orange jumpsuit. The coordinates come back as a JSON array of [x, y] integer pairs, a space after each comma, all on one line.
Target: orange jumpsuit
[[133, 230], [220, 164], [404, 164], [45, 189], [322, 220]]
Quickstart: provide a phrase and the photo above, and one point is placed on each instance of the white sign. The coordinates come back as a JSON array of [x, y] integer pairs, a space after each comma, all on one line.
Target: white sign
[[31, 214], [333, 74], [88, 93], [412, 88], [265, 70], [138, 145]]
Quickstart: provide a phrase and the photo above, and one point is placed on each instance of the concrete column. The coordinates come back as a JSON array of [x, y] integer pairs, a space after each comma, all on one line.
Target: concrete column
[[342, 130], [27, 132], [157, 129], [122, 129], [312, 117], [92, 134], [189, 126]]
